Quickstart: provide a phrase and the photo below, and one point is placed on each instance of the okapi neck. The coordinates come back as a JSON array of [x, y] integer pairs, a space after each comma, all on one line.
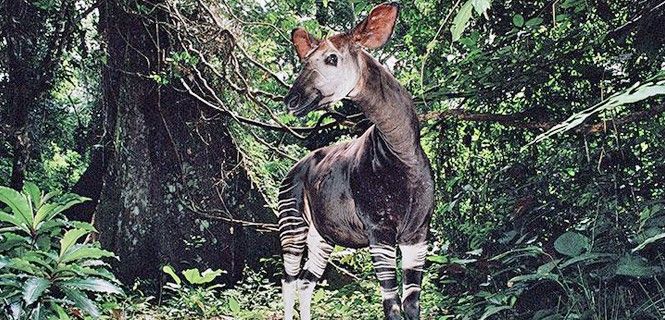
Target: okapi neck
[[389, 106]]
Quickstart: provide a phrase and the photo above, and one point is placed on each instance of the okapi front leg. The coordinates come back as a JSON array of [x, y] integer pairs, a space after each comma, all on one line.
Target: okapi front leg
[[413, 261], [318, 252], [383, 259]]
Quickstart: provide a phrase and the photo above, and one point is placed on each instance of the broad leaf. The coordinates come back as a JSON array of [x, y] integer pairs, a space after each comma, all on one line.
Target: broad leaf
[[169, 270], [85, 252], [70, 238], [234, 306], [33, 289], [572, 244], [587, 258], [461, 20], [648, 241], [81, 301], [638, 92], [194, 277], [518, 20], [634, 266], [34, 193], [50, 210], [93, 284], [18, 203], [481, 6], [492, 310]]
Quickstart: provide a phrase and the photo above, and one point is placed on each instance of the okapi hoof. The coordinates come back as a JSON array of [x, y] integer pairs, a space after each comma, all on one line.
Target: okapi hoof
[[392, 310], [412, 311]]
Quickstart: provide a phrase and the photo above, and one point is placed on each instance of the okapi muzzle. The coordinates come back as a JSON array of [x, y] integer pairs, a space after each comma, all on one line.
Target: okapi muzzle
[[303, 97]]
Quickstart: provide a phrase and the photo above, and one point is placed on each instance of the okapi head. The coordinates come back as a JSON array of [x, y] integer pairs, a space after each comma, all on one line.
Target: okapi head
[[332, 67]]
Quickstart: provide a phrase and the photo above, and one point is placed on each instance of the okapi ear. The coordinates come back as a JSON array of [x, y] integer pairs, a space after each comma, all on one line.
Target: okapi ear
[[376, 29], [303, 41]]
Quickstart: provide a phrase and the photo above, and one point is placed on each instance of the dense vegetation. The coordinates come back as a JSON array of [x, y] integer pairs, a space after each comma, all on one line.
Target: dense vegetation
[[543, 121]]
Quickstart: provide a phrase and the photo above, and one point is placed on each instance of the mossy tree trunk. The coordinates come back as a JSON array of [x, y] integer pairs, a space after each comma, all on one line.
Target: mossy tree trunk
[[168, 162]]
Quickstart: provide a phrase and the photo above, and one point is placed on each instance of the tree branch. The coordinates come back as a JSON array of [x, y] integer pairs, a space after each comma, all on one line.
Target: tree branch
[[518, 120]]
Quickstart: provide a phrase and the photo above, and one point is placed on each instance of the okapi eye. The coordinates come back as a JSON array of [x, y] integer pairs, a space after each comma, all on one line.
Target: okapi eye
[[331, 60]]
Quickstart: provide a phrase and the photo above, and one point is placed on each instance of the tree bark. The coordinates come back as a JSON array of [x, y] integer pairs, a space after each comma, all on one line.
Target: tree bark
[[36, 41], [167, 165], [21, 79]]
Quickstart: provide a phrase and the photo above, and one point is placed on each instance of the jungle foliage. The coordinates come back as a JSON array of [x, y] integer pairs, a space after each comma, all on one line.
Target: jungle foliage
[[543, 121]]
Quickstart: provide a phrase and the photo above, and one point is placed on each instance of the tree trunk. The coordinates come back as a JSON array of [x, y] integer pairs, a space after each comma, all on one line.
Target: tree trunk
[[168, 164], [21, 80]]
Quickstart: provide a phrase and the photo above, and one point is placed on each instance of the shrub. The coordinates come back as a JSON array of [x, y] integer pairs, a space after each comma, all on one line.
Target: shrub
[[45, 271]]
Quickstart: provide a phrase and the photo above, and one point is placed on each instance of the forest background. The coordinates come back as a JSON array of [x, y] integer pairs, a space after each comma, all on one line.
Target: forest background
[[163, 125]]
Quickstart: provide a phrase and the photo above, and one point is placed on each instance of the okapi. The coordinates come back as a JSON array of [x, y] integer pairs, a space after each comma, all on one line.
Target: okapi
[[375, 190]]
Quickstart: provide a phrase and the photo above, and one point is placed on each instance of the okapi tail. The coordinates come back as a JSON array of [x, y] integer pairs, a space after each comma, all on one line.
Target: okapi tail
[[293, 228]]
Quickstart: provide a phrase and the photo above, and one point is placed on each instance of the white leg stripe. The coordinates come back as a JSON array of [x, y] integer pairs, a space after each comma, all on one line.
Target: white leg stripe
[[291, 224], [409, 290], [287, 189], [413, 256], [289, 296], [317, 254], [288, 201], [281, 212], [292, 264], [306, 293], [385, 275], [291, 218], [388, 293]]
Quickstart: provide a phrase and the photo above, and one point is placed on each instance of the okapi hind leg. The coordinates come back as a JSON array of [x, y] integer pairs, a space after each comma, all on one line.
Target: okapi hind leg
[[318, 253], [383, 259], [413, 261], [293, 235]]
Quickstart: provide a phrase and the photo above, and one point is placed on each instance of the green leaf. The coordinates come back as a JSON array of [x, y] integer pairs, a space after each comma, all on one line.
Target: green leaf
[[50, 210], [33, 289], [530, 251], [438, 259], [169, 270], [81, 301], [649, 241], [534, 22], [194, 277], [653, 87], [572, 244], [319, 295], [18, 203], [518, 20], [481, 6], [70, 238], [79, 252], [25, 266], [548, 267], [587, 258], [461, 20], [14, 220], [93, 284], [82, 225], [633, 266], [34, 193], [60, 311], [234, 306], [492, 310], [13, 240], [532, 277]]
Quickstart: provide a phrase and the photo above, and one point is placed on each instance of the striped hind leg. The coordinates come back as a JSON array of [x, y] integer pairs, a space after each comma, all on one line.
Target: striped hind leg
[[318, 253], [413, 261], [383, 259], [293, 237]]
